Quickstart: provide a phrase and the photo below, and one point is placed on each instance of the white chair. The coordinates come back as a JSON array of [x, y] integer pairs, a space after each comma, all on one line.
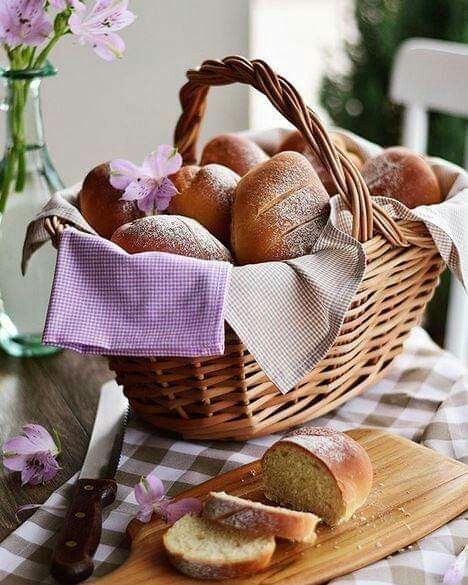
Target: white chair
[[430, 75]]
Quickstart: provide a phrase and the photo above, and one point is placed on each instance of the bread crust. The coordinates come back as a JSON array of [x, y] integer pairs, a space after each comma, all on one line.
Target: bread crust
[[192, 563], [172, 234], [100, 203], [233, 151], [206, 195], [346, 460], [260, 519], [295, 142], [220, 571], [404, 175], [279, 210]]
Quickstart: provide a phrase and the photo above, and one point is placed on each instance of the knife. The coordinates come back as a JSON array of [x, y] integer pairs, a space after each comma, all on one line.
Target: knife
[[72, 559]]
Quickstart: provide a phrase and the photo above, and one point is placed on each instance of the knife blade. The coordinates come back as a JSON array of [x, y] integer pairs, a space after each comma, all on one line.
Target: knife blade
[[72, 559]]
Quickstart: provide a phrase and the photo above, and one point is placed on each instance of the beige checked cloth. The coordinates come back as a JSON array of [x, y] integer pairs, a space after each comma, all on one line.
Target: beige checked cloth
[[424, 397], [308, 297]]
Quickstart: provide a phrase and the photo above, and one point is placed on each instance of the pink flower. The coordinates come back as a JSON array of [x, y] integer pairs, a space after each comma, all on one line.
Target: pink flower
[[149, 493], [148, 185], [32, 453], [172, 511], [97, 26], [23, 22], [63, 4]]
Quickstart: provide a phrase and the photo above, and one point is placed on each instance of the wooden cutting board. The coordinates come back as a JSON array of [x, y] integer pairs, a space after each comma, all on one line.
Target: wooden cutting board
[[415, 491]]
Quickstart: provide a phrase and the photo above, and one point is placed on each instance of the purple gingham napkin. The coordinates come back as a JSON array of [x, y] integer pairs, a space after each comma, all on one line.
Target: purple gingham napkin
[[107, 301]]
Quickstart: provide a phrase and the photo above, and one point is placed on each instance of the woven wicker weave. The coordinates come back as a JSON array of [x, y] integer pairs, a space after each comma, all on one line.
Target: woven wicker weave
[[228, 396]]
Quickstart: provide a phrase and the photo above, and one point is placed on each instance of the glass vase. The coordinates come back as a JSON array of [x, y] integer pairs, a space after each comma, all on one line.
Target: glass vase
[[27, 180]]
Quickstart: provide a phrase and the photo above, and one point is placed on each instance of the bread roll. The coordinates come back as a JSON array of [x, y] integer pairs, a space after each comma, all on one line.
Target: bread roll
[[296, 142], [206, 550], [206, 194], [184, 177], [172, 234], [259, 519], [355, 159], [275, 210], [100, 205], [233, 151], [318, 470], [269, 140], [404, 175]]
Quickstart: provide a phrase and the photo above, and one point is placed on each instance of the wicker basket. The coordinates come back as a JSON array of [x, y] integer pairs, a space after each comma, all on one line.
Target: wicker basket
[[228, 396]]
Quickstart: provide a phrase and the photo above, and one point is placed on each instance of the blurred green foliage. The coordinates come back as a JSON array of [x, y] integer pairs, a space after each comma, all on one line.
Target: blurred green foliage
[[358, 100]]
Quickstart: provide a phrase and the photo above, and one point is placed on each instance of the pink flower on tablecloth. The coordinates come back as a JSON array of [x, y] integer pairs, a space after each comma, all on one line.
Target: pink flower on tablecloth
[[63, 4], [148, 185], [23, 22], [149, 493], [33, 454], [172, 511], [98, 25]]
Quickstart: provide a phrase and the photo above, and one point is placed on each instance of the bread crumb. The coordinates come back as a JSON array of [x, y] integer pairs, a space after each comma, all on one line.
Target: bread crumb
[[359, 546], [336, 546], [381, 483], [378, 544], [318, 545]]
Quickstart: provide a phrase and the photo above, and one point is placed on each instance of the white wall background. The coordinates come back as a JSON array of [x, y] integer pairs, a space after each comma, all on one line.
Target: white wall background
[[96, 111], [300, 39]]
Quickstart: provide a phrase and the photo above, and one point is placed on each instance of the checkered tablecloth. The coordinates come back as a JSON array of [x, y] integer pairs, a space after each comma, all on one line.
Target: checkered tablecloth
[[424, 397]]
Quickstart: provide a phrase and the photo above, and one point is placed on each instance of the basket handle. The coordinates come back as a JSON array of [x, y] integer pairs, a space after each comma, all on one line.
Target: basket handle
[[286, 99]]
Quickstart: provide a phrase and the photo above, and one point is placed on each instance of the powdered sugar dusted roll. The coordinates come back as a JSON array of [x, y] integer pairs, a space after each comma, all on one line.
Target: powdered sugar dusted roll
[[276, 210], [318, 470], [233, 151], [173, 234], [206, 194]]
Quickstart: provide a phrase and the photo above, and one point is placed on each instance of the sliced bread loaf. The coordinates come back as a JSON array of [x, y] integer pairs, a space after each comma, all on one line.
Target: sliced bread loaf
[[207, 550], [318, 470], [259, 519]]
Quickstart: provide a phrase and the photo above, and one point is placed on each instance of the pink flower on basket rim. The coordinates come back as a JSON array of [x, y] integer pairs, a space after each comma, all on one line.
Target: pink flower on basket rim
[[98, 25], [33, 454], [148, 185], [149, 493], [23, 22]]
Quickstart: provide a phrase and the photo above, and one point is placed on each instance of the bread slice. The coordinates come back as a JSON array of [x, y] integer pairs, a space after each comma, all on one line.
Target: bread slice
[[259, 519], [318, 470], [206, 550]]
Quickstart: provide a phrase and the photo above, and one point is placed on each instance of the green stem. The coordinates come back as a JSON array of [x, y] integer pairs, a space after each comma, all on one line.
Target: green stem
[[41, 58], [21, 94], [7, 178]]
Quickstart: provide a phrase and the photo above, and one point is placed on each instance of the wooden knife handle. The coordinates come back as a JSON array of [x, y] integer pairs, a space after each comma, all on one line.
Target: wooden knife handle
[[72, 560]]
